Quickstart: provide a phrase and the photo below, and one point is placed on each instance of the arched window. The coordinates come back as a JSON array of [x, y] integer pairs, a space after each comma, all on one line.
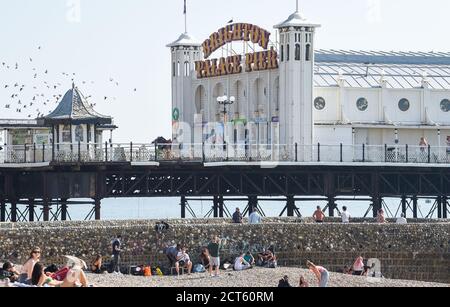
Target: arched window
[[308, 53], [187, 69], [288, 52], [178, 69], [282, 53], [174, 72], [297, 52]]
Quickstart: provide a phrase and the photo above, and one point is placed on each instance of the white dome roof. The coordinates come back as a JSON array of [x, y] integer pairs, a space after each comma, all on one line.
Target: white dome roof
[[185, 40], [296, 20]]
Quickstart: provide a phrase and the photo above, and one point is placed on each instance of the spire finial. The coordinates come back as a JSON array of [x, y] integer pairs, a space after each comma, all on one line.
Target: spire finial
[[73, 85], [296, 8]]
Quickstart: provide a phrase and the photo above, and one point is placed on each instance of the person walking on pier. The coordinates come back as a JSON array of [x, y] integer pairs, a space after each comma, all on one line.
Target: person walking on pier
[[321, 273], [318, 215], [402, 219], [237, 216], [116, 254]]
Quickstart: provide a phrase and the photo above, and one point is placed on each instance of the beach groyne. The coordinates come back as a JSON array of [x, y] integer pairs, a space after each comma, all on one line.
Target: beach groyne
[[417, 251]]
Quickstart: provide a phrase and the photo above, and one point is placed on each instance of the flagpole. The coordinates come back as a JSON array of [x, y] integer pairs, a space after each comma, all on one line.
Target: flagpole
[[185, 17]]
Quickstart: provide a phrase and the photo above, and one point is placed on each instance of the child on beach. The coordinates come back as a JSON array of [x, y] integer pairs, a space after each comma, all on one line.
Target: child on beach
[[214, 252]]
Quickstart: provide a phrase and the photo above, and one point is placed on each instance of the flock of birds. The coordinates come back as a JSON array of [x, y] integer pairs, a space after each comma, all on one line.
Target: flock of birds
[[35, 99]]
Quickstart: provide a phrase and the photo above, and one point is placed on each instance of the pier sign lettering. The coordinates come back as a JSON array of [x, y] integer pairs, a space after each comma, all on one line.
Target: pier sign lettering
[[256, 61]]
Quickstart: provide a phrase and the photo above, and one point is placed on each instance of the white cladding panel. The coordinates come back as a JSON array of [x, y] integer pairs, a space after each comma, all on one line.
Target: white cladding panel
[[333, 135]]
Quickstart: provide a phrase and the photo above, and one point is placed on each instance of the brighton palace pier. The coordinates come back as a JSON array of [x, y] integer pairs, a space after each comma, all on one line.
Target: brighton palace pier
[[255, 114]]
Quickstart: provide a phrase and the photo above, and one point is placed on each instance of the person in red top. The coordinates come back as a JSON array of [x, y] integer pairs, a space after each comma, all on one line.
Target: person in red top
[[319, 216]]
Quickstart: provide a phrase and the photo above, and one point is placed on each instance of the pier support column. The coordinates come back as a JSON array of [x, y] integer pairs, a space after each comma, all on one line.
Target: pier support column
[[252, 204], [183, 204], [404, 205], [331, 206], [439, 207], [415, 207], [46, 210], [216, 206], [2, 210], [64, 209], [221, 206], [444, 207], [97, 208], [290, 206], [377, 205], [13, 211], [31, 208]]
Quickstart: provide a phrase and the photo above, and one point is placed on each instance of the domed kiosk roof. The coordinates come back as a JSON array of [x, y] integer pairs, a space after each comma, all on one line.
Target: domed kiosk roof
[[75, 109]]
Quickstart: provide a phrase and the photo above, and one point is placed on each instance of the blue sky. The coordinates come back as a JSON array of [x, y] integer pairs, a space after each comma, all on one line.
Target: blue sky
[[125, 41]]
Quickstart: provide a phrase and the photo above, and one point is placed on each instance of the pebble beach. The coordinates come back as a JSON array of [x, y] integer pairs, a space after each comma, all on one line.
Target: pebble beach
[[257, 277]]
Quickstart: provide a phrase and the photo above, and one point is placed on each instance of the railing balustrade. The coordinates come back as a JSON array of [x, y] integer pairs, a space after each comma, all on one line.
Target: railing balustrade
[[207, 152]]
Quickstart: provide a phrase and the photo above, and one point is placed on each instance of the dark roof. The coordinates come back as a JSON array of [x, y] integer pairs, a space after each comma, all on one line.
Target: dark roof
[[75, 109]]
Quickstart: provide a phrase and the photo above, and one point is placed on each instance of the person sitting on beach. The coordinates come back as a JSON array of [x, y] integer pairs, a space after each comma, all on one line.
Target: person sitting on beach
[[249, 258], [40, 279], [96, 266], [345, 215], [303, 283], [205, 258], [322, 275], [267, 258], [9, 272], [358, 267], [347, 271], [237, 216], [183, 260], [402, 219], [172, 253], [27, 269], [240, 264], [284, 283], [380, 217], [318, 215]]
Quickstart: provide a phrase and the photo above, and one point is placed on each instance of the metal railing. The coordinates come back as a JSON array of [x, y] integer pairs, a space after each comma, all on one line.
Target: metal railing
[[206, 152]]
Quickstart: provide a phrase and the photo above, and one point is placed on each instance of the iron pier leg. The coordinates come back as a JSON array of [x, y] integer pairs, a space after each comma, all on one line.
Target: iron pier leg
[[404, 205], [290, 206], [13, 211], [376, 205], [31, 207], [439, 206], [444, 207], [415, 207], [331, 206], [221, 206], [2, 210], [46, 210], [252, 204], [97, 208], [216, 206], [64, 209], [183, 207]]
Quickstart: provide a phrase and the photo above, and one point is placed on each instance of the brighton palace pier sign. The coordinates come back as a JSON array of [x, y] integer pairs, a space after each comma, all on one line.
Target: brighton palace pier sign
[[256, 61]]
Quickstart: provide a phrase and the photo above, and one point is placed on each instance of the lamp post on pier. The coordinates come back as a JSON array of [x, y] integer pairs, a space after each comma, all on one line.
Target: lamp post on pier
[[225, 101]]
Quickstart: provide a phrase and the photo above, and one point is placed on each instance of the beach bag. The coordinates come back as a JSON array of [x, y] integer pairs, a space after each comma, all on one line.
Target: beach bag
[[199, 268], [60, 275], [147, 271]]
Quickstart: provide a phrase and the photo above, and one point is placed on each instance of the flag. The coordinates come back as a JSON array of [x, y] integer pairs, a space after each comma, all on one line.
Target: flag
[[185, 10]]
